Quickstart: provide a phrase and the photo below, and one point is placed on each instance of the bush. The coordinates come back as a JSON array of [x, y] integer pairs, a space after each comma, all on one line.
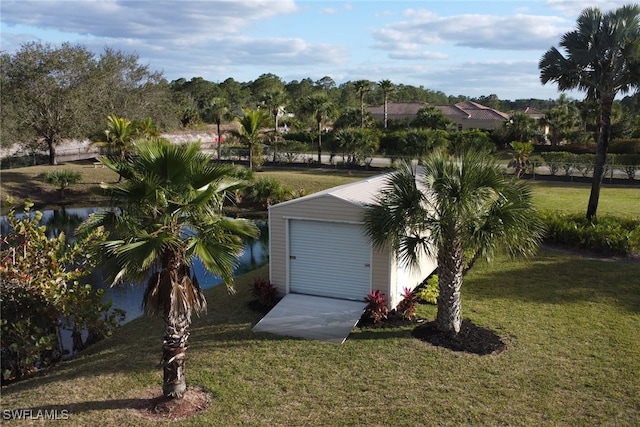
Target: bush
[[62, 179], [265, 292], [376, 309], [41, 295], [407, 306], [606, 234], [268, 191], [428, 291]]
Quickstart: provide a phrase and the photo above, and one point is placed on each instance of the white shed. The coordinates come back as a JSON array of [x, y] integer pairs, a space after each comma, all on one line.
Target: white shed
[[317, 247]]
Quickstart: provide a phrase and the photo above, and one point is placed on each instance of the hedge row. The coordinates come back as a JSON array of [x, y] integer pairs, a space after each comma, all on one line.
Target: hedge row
[[606, 234]]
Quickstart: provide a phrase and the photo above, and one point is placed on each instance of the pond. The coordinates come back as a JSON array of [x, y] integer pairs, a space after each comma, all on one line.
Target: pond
[[128, 296]]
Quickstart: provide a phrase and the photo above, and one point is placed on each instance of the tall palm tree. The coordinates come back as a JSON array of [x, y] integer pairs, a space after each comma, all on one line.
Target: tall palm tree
[[603, 59], [387, 87], [275, 101], [251, 132], [321, 108], [362, 88], [170, 214], [462, 208], [219, 110]]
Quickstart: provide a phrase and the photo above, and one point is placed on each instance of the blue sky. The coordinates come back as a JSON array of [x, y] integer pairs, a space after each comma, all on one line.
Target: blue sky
[[472, 48]]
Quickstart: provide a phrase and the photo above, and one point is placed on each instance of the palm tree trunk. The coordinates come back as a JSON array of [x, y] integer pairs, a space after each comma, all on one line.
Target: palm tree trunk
[[219, 139], [601, 156], [174, 382], [319, 142], [385, 110], [450, 273]]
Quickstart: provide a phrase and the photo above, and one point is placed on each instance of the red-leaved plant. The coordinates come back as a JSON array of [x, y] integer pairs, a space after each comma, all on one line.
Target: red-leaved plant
[[376, 308], [407, 306], [265, 292]]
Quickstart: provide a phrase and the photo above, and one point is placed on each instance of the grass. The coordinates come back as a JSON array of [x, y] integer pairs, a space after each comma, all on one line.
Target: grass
[[573, 197], [567, 197], [572, 359]]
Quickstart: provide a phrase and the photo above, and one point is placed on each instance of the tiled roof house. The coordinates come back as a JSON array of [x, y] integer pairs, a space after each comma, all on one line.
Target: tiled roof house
[[466, 114]]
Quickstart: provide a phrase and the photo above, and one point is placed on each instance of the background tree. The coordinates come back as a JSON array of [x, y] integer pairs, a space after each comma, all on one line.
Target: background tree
[[218, 109], [250, 131], [362, 88], [561, 120], [319, 107], [171, 214], [602, 57], [48, 89], [55, 93], [430, 117], [275, 102], [387, 88], [464, 209]]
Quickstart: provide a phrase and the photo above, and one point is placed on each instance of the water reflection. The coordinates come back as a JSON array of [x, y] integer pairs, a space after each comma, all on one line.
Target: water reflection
[[128, 297]]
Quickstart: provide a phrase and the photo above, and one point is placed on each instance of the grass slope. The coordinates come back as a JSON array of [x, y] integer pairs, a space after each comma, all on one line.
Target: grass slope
[[573, 358]]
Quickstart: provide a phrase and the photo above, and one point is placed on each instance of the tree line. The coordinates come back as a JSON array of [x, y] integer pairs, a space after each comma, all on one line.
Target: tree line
[[51, 94]]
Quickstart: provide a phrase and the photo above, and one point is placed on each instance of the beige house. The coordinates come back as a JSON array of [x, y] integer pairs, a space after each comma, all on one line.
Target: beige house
[[318, 247], [466, 115]]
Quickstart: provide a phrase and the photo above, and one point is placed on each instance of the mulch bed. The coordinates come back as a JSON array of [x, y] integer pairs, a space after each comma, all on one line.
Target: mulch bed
[[155, 406], [471, 338]]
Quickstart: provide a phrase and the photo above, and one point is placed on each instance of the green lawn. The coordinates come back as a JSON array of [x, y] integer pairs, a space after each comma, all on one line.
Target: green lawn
[[573, 358]]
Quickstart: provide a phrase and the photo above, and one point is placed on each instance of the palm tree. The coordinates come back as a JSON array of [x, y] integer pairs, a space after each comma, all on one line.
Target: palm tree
[[462, 208], [560, 120], [362, 88], [219, 110], [387, 87], [119, 135], [251, 132], [320, 107], [170, 214], [275, 101], [603, 59]]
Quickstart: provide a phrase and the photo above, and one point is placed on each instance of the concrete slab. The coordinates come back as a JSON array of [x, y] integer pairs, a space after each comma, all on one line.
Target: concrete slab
[[312, 318]]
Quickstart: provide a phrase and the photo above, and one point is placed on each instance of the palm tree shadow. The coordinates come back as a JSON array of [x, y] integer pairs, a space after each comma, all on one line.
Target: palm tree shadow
[[554, 277]]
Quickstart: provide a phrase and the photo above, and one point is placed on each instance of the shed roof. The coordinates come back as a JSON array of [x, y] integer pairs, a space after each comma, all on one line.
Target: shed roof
[[359, 193]]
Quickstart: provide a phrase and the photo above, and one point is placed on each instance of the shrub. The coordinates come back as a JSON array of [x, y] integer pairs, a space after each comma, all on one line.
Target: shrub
[[376, 309], [41, 295], [428, 291], [407, 306], [268, 191], [265, 292], [605, 234], [62, 179], [630, 163]]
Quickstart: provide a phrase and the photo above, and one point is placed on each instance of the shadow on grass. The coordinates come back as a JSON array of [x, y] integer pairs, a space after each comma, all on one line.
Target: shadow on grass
[[555, 277]]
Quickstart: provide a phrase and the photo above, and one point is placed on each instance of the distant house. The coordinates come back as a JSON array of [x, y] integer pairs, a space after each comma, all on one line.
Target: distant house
[[465, 115]]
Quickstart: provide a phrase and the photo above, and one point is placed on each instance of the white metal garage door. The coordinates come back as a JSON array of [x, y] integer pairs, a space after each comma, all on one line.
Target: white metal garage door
[[329, 259]]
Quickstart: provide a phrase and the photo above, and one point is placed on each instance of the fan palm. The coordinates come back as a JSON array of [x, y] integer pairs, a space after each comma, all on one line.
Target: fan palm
[[603, 59], [170, 214], [457, 208]]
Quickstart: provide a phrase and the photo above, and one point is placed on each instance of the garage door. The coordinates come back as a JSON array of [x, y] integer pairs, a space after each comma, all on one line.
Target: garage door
[[329, 259]]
